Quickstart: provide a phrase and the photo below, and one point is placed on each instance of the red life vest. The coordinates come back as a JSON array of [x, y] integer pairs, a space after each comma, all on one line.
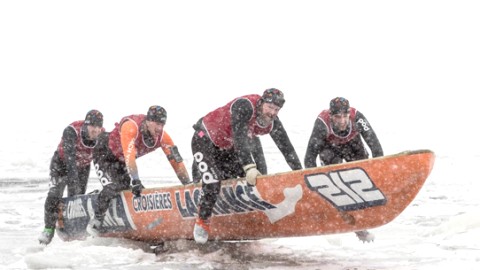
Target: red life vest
[[218, 123], [83, 153], [334, 138], [115, 143]]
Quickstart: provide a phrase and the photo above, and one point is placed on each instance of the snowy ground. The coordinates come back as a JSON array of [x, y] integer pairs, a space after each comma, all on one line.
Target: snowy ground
[[439, 230]]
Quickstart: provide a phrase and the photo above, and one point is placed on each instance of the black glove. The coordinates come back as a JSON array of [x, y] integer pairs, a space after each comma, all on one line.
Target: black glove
[[137, 187]]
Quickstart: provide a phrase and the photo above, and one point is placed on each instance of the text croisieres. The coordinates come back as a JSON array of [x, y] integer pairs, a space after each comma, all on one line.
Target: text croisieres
[[152, 202]]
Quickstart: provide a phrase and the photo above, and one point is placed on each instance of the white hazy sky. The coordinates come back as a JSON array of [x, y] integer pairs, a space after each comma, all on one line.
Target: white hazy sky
[[412, 67]]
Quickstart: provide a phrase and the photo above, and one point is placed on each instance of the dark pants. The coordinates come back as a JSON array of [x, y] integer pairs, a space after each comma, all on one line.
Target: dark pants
[[211, 165], [351, 151], [58, 182], [112, 174]]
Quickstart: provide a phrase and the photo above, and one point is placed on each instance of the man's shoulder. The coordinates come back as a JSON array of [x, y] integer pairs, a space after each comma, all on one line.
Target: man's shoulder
[[70, 129], [242, 105], [247, 98]]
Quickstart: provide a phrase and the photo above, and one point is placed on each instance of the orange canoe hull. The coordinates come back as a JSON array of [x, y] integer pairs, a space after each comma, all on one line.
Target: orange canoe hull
[[324, 200]]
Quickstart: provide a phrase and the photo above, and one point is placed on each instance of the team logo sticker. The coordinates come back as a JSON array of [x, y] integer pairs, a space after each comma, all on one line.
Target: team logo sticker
[[78, 211], [347, 190]]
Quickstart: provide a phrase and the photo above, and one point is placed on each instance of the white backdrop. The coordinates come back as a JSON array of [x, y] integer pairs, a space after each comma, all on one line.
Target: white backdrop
[[411, 66]]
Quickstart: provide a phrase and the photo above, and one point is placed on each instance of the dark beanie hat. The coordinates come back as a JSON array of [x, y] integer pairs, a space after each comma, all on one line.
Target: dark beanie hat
[[339, 105], [157, 114], [94, 118], [273, 95]]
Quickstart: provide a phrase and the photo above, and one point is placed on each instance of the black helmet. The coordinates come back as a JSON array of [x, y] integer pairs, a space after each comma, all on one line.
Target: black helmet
[[157, 114], [94, 118], [274, 96], [339, 105]]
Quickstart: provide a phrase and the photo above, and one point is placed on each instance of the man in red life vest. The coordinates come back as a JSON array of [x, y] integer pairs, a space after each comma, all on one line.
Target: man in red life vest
[[115, 157], [225, 145], [337, 136], [70, 167]]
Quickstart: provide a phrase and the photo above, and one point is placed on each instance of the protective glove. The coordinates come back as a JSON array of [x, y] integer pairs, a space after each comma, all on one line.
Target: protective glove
[[137, 187], [251, 174], [183, 177], [186, 181]]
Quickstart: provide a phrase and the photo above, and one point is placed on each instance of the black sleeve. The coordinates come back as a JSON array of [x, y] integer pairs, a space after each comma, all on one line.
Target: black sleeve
[[242, 111], [280, 137], [69, 148], [258, 155], [316, 143], [368, 134]]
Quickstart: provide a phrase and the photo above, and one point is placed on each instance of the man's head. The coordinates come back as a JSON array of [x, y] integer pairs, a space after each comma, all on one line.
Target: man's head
[[157, 114], [94, 118], [156, 119], [273, 95], [340, 113], [94, 123], [270, 104], [339, 105]]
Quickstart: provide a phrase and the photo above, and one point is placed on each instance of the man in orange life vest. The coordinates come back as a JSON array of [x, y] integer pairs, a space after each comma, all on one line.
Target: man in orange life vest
[[115, 157], [225, 145], [336, 137], [70, 167]]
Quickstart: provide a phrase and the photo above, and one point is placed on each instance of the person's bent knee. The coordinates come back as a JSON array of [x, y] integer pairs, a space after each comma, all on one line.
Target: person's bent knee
[[109, 191]]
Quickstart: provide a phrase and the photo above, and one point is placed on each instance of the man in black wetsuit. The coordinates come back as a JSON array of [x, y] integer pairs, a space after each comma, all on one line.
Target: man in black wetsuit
[[337, 137], [70, 167], [225, 145], [115, 158]]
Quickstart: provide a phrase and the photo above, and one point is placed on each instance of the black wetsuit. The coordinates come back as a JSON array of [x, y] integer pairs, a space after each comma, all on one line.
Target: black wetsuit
[[71, 171], [213, 163], [325, 143]]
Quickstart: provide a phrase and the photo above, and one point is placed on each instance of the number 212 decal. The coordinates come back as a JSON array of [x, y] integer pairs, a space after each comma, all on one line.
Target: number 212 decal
[[347, 190]]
